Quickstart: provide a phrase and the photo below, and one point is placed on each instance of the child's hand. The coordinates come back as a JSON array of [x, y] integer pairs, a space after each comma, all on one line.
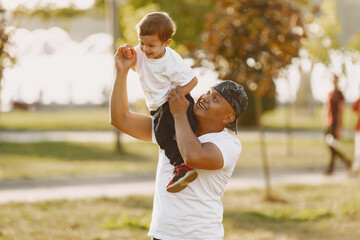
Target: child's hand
[[127, 51]]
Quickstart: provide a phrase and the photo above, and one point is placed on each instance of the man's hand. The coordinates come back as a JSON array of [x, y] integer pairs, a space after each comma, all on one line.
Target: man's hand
[[128, 51], [177, 102], [122, 63]]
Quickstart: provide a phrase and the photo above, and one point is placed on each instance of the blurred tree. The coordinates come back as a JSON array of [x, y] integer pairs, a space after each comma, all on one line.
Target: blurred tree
[[129, 16], [6, 59], [322, 29], [353, 46], [322, 32], [47, 11], [111, 13], [50, 11], [249, 41], [354, 42], [188, 16]]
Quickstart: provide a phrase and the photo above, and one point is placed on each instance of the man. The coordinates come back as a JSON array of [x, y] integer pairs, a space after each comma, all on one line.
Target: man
[[196, 212], [335, 105]]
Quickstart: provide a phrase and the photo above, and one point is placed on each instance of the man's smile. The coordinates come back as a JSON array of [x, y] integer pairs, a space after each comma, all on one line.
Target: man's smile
[[201, 105]]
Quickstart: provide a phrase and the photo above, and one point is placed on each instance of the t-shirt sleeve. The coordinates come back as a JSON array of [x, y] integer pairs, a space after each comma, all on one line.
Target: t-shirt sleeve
[[230, 149], [181, 73]]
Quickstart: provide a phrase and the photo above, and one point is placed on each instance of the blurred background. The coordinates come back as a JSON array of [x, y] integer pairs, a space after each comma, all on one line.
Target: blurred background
[[56, 72]]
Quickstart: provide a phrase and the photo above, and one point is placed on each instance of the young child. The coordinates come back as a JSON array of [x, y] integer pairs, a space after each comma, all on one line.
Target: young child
[[160, 69]]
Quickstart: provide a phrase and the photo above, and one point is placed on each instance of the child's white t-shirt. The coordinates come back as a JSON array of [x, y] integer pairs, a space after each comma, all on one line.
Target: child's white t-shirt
[[159, 76]]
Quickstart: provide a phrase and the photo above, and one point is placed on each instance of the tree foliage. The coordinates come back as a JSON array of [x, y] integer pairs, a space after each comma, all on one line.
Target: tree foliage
[[187, 14], [249, 41], [48, 11], [6, 59], [354, 43], [322, 32], [129, 16]]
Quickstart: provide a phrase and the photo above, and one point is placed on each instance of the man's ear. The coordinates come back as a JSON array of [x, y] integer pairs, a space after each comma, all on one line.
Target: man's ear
[[167, 42], [229, 118]]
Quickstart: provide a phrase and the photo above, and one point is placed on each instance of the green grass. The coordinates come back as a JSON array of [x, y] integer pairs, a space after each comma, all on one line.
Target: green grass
[[72, 119], [326, 212], [301, 119], [306, 152], [52, 159]]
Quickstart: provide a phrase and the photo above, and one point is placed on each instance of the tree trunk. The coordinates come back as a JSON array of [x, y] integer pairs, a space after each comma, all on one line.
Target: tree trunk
[[289, 133], [288, 123], [112, 28], [118, 144], [111, 21], [264, 158]]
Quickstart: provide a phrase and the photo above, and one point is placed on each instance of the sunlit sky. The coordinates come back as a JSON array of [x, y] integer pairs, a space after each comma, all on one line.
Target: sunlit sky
[[12, 4]]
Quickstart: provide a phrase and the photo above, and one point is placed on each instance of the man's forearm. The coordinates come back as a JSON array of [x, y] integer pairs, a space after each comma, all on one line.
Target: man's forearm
[[134, 124], [119, 101], [188, 143]]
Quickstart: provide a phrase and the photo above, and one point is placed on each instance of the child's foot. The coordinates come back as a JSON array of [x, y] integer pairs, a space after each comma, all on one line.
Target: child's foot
[[183, 175]]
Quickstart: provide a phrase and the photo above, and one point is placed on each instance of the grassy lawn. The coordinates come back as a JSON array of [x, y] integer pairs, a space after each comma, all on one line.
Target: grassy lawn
[[301, 119], [327, 212], [72, 119], [306, 152], [51, 159]]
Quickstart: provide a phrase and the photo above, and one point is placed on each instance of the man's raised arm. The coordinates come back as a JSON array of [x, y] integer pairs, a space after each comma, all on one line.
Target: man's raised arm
[[134, 124]]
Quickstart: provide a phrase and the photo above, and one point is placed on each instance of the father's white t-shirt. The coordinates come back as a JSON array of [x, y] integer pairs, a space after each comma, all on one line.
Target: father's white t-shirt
[[159, 76], [196, 212]]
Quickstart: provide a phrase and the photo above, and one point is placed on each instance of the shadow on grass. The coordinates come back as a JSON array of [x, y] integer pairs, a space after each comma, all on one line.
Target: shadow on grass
[[70, 151]]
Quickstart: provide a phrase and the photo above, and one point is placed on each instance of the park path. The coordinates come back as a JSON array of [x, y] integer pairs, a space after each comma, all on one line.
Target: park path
[[125, 185]]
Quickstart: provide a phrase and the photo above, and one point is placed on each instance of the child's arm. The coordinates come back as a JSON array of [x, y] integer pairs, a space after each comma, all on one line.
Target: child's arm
[[188, 87], [128, 54]]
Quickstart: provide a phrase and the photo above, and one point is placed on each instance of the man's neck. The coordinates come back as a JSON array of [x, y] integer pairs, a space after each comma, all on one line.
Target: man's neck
[[202, 131]]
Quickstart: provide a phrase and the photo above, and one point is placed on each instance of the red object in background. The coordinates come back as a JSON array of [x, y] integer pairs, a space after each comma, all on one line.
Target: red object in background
[[356, 108], [24, 105]]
